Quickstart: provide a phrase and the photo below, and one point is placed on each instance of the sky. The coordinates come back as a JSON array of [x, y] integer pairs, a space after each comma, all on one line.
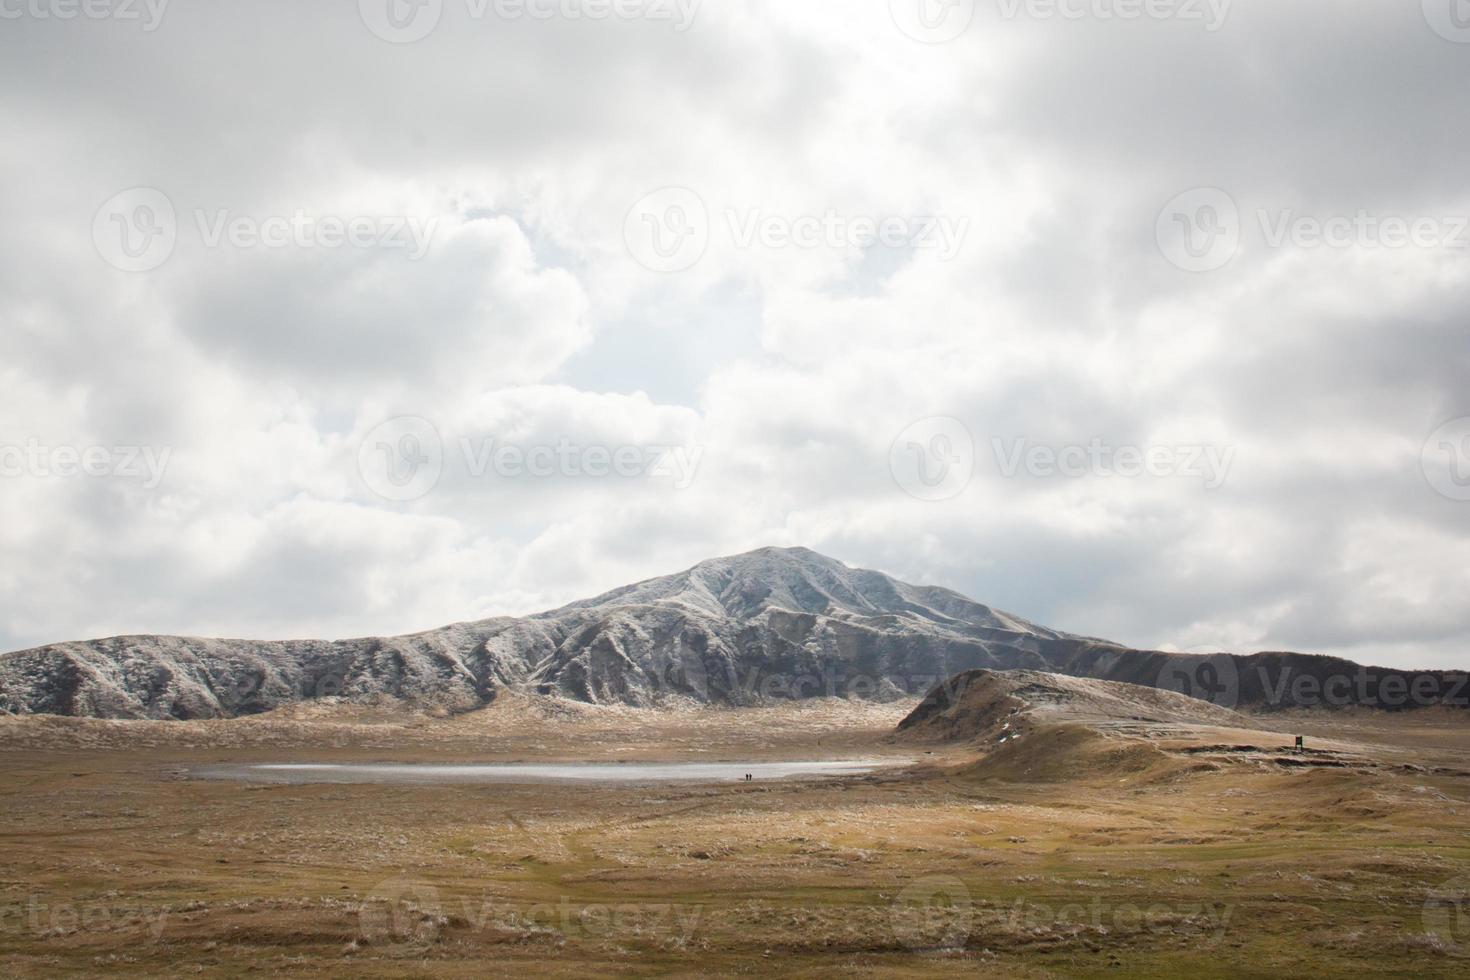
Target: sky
[[1142, 319]]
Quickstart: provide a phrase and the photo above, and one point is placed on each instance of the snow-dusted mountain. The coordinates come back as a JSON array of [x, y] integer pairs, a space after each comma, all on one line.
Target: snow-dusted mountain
[[769, 624], [774, 623]]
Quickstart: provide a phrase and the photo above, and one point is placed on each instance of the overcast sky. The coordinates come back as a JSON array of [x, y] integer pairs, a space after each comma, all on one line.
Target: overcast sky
[[341, 318]]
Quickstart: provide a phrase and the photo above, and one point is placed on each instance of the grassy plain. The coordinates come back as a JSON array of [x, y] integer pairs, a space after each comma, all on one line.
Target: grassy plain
[[1222, 862]]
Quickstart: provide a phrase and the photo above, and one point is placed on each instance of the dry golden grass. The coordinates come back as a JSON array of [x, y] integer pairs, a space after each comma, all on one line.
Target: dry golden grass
[[1204, 860]]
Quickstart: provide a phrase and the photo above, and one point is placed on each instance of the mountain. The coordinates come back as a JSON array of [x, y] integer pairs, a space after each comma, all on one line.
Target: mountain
[[774, 623]]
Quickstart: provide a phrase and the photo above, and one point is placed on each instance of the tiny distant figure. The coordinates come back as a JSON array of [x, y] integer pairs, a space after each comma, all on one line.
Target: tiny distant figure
[[1301, 743]]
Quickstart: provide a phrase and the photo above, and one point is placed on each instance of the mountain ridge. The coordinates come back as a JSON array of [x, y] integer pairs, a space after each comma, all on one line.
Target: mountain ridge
[[744, 629]]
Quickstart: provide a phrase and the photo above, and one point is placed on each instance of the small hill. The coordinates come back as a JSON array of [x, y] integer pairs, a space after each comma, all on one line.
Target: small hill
[[1036, 727], [988, 706]]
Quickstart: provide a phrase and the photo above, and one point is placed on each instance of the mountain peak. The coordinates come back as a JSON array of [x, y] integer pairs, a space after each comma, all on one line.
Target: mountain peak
[[745, 585], [798, 580], [794, 552]]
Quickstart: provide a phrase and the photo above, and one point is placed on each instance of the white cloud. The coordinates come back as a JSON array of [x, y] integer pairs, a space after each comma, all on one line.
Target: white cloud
[[1056, 319]]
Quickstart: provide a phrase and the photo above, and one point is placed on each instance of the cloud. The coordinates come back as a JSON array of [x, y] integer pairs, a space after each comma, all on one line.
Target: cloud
[[784, 368]]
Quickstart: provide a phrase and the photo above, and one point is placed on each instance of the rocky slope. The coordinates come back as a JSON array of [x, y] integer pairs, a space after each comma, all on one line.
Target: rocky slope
[[771, 624], [988, 706], [1034, 727]]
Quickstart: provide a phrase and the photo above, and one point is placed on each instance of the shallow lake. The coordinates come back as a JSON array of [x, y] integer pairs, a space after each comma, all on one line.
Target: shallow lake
[[602, 772]]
